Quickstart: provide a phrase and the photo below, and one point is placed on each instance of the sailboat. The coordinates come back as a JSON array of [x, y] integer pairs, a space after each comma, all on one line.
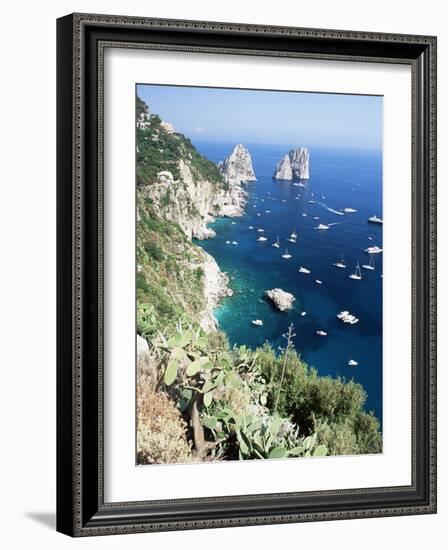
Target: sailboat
[[277, 243], [286, 255], [371, 264], [293, 237], [357, 274], [340, 263]]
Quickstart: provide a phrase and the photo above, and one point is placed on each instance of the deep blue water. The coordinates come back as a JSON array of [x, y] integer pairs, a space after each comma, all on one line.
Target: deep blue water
[[346, 179]]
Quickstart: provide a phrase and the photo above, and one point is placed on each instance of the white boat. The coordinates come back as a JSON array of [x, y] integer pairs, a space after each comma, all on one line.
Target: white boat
[[257, 322], [296, 184], [303, 314], [352, 363], [286, 255], [262, 239], [267, 211], [304, 270], [294, 235], [234, 242], [347, 317], [233, 223], [321, 333], [324, 197], [315, 217], [312, 202], [370, 265], [227, 242], [349, 210], [357, 274], [277, 243], [304, 214], [373, 250], [260, 230], [301, 185], [323, 226], [340, 263], [375, 219], [291, 240], [317, 281], [258, 214], [251, 226], [342, 314]]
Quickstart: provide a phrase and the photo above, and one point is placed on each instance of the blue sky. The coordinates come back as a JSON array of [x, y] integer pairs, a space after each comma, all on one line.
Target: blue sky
[[258, 116]]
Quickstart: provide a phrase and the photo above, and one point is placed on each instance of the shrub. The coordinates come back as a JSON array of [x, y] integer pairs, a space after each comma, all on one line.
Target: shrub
[[161, 431]]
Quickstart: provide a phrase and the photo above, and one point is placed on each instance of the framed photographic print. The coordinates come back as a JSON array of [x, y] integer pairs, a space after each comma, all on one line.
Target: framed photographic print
[[246, 274]]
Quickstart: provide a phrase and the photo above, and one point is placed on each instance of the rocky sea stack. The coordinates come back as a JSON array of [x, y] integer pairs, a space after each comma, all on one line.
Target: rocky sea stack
[[294, 166], [237, 167], [281, 299]]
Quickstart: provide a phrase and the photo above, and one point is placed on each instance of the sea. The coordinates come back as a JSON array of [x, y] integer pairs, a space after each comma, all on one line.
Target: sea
[[338, 179]]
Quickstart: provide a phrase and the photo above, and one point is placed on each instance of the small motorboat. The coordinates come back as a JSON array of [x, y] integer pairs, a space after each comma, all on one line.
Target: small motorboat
[[375, 219], [312, 202], [315, 217], [321, 333], [304, 270], [260, 230], [251, 226], [228, 242], [303, 314], [323, 226], [233, 223], [352, 363], [234, 242], [349, 210], [373, 250], [262, 239], [257, 322], [317, 281]]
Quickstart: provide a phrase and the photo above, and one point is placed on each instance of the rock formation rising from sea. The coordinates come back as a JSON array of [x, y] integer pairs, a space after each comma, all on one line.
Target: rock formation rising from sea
[[294, 166], [237, 167]]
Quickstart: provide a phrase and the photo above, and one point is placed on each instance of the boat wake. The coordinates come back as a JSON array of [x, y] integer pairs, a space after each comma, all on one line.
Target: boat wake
[[330, 209]]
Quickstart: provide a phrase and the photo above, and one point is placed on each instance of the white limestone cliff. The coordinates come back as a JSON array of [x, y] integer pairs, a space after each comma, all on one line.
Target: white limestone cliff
[[294, 166]]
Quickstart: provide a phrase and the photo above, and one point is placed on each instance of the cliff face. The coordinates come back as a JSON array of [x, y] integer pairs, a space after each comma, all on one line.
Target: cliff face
[[237, 167], [178, 193], [183, 186], [294, 165]]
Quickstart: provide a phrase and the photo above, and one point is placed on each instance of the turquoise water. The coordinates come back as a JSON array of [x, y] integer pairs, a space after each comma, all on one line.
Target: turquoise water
[[339, 179]]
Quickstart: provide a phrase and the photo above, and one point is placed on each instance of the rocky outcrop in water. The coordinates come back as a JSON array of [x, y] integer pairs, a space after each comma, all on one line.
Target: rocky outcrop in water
[[281, 299], [294, 166], [237, 167]]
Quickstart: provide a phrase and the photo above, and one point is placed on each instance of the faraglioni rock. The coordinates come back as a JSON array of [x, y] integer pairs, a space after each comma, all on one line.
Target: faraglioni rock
[[281, 299], [237, 167], [294, 166]]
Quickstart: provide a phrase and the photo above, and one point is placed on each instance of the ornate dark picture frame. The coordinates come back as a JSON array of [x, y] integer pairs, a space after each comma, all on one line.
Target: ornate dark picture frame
[[81, 40]]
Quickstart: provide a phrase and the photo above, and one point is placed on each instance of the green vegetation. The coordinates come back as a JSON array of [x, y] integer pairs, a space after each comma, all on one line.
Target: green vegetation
[[159, 150]]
